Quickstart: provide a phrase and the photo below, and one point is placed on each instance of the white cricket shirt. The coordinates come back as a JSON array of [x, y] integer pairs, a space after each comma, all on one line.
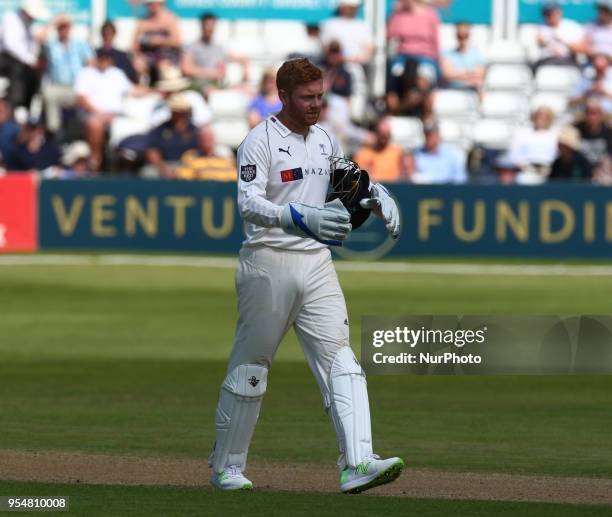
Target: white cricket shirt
[[277, 166]]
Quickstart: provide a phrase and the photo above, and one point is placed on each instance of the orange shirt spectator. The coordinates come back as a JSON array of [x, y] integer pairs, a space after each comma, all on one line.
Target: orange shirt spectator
[[384, 161]]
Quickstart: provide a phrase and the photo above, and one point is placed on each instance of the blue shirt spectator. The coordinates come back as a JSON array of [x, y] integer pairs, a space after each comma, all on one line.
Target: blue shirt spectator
[[267, 102], [265, 108], [66, 56], [463, 67], [437, 162]]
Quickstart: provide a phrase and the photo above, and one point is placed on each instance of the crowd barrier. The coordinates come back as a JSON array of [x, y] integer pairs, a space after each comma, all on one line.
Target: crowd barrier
[[559, 220]]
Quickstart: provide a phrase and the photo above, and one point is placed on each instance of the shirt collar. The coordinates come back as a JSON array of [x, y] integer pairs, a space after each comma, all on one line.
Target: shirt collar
[[283, 130]]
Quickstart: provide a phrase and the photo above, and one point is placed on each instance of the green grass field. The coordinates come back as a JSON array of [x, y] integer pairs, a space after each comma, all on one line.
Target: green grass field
[[127, 360]]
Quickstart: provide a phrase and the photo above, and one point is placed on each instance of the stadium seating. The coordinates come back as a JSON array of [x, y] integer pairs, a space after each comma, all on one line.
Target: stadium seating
[[228, 103], [493, 133], [514, 77], [504, 105], [456, 104], [407, 132], [561, 79], [230, 132], [506, 52]]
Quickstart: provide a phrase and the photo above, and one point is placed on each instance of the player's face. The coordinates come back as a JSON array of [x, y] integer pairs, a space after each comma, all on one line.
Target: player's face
[[305, 102]]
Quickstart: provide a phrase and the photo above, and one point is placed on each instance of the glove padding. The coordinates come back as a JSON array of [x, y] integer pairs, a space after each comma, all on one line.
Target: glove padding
[[329, 224], [384, 206], [350, 185]]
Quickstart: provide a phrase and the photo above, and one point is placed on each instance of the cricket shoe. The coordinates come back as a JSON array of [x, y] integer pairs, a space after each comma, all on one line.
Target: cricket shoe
[[231, 479], [371, 472]]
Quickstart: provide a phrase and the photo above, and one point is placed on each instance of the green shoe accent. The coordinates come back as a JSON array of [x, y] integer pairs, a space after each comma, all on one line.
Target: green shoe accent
[[247, 486], [344, 475], [389, 475]]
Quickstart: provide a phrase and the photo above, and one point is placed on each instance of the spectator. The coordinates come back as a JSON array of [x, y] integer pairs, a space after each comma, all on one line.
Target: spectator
[[8, 128], [595, 134], [19, 51], [169, 141], [596, 83], [353, 34], [157, 38], [411, 95], [570, 163], [121, 59], [101, 89], [413, 31], [337, 79], [533, 149], [34, 150], [204, 163], [75, 161], [464, 67], [598, 38], [171, 82], [559, 39], [205, 61], [65, 58], [384, 161], [437, 162], [267, 102]]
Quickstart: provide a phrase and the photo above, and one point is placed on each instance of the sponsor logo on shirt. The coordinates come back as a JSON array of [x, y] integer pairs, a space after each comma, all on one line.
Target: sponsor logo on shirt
[[291, 174], [248, 172]]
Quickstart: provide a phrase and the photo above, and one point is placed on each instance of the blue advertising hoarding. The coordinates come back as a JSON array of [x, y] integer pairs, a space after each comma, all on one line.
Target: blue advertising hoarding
[[545, 221], [471, 11], [303, 10], [530, 11], [80, 10], [479, 11]]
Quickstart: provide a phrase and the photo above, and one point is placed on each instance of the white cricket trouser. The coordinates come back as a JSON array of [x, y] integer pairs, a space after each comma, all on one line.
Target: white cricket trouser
[[278, 289]]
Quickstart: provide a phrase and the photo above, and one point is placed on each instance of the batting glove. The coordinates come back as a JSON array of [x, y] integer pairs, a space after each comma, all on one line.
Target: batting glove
[[385, 207], [329, 224]]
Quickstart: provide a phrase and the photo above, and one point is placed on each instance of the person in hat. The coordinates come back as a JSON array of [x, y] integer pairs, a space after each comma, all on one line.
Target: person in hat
[[598, 39], [101, 89], [437, 162], [571, 164], [172, 81], [19, 51], [157, 38], [75, 163], [559, 39], [533, 149], [353, 34], [170, 140], [65, 57]]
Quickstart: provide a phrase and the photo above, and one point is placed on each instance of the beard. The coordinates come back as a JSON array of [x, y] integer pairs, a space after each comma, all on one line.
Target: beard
[[305, 118]]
